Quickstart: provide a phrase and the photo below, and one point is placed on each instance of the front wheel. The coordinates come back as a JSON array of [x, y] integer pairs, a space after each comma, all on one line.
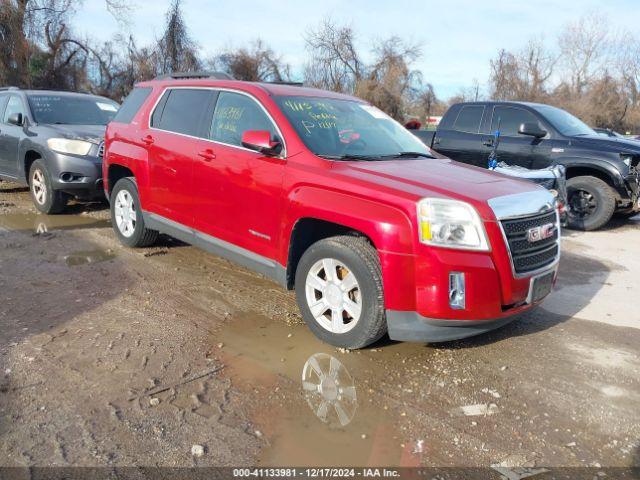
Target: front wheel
[[126, 215], [591, 203], [339, 291], [45, 198]]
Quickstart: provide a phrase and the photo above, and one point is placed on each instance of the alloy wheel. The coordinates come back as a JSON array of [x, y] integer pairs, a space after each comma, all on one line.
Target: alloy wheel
[[125, 213], [39, 187], [333, 295]]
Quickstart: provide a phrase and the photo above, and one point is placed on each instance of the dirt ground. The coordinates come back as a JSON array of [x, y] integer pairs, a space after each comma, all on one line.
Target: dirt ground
[[170, 356]]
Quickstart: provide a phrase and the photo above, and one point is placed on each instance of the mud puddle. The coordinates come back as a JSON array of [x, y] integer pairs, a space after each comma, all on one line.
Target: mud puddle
[[318, 405], [88, 257], [39, 223]]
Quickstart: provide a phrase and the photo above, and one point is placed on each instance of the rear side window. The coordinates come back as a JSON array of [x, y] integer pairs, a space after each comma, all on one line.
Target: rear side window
[[469, 119], [132, 104], [509, 119], [185, 110], [235, 114]]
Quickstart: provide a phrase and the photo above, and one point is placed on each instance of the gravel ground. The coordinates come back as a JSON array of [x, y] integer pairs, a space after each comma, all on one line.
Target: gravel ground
[[169, 356]]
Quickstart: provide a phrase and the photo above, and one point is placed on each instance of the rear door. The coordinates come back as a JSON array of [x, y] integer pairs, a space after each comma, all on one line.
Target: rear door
[[176, 136], [237, 190], [462, 140], [514, 148], [10, 136]]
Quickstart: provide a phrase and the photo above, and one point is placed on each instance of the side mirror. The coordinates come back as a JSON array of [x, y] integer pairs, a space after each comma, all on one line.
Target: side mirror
[[532, 129], [15, 119], [260, 141]]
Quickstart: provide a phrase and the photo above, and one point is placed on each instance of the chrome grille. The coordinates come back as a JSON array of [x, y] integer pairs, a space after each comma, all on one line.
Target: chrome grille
[[101, 150], [529, 256]]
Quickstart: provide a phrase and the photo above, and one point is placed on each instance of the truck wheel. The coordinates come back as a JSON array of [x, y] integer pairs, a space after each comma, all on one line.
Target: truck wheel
[[126, 215], [45, 198], [339, 291], [591, 203]]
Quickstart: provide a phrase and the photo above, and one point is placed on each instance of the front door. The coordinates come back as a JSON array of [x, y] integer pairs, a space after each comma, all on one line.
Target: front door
[[179, 125], [10, 137], [239, 191], [514, 148]]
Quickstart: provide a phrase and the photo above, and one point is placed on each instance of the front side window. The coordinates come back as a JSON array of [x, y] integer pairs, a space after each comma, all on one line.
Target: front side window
[[184, 111], [13, 106], [348, 129], [564, 122], [509, 119], [72, 109], [469, 119], [235, 114]]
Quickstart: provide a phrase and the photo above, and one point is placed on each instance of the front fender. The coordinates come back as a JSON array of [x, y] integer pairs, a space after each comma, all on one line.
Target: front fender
[[25, 146], [388, 227], [602, 166]]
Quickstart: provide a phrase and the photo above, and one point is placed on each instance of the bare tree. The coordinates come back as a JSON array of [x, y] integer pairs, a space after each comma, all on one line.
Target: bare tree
[[255, 63], [584, 45], [390, 81], [176, 50], [335, 63], [523, 75]]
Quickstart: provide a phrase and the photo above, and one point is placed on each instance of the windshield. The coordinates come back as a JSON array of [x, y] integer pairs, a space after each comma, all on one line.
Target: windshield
[[564, 122], [347, 129], [72, 109]]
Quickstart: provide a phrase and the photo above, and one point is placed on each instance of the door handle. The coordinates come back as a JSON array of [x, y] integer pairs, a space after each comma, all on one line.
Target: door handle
[[147, 139], [488, 142], [207, 155]]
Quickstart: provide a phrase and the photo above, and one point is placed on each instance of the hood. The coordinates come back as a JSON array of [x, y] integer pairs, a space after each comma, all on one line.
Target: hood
[[620, 145], [440, 177], [90, 133]]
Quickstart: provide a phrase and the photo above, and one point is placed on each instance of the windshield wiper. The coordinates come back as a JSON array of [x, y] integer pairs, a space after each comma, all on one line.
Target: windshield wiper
[[351, 157], [409, 155]]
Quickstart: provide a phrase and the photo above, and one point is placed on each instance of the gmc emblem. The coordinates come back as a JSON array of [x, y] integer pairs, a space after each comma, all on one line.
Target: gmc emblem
[[540, 233]]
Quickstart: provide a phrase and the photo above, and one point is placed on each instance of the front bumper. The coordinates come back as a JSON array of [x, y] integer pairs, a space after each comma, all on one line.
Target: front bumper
[[76, 175], [631, 200], [413, 327]]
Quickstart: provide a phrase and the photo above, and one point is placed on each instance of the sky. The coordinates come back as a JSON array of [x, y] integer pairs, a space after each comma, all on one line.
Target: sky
[[458, 37]]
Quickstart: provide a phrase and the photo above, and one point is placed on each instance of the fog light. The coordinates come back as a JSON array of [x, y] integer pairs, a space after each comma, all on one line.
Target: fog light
[[456, 290]]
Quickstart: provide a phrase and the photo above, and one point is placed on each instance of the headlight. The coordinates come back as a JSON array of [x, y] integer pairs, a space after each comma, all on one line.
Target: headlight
[[451, 223], [74, 147], [626, 159]]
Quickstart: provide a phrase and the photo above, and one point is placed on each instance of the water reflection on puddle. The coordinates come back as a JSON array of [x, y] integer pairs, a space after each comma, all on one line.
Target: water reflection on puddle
[[39, 223], [329, 389], [315, 405]]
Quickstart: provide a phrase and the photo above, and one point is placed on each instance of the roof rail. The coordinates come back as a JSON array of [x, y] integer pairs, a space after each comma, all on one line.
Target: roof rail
[[282, 82], [9, 88], [201, 74]]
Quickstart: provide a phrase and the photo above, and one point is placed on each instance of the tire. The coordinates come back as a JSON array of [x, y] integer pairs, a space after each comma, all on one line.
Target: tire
[[591, 203], [126, 215], [349, 327], [44, 197]]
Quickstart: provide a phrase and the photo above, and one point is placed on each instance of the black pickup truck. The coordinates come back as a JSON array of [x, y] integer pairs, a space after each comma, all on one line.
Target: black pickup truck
[[603, 173]]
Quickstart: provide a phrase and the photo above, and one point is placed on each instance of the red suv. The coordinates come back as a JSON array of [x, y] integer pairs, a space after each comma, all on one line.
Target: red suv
[[327, 195]]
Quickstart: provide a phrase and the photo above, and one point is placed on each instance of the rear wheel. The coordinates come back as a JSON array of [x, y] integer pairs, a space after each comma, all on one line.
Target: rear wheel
[[339, 291], [126, 215], [45, 198], [591, 203]]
